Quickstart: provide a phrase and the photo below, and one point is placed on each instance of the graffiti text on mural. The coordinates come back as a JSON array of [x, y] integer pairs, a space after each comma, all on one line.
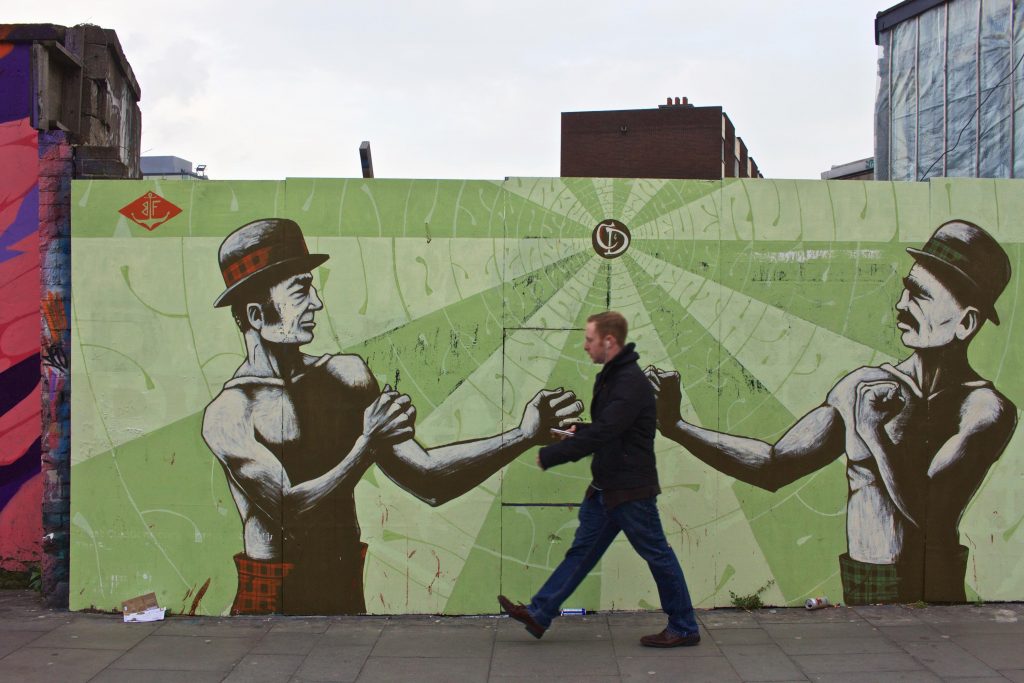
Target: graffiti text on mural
[[610, 238], [150, 211]]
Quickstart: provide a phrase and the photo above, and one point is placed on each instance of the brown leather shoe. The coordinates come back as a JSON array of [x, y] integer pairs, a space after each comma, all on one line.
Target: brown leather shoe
[[522, 615], [668, 639]]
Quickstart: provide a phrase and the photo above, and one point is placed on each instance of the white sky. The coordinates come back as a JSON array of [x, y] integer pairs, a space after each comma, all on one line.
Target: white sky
[[474, 89]]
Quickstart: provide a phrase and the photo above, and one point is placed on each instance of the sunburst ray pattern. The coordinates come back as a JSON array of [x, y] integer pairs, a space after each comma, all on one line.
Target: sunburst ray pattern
[[470, 296]]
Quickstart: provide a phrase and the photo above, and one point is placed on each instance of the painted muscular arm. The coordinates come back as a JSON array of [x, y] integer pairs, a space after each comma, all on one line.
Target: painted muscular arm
[[987, 421], [229, 431], [939, 495], [814, 441], [437, 475]]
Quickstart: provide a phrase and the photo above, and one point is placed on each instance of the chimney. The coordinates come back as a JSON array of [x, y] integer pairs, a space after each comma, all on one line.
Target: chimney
[[365, 159], [677, 101]]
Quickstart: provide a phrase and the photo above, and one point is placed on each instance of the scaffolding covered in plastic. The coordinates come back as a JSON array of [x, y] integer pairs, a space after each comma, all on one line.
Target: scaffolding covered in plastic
[[950, 90]]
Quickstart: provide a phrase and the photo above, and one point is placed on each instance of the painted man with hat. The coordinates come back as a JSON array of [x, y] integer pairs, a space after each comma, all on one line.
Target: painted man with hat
[[295, 433], [919, 436]]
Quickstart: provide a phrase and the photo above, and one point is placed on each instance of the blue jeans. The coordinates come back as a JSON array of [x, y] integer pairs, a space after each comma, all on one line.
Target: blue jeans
[[598, 528]]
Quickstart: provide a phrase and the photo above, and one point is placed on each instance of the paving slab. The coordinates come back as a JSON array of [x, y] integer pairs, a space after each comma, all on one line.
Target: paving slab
[[906, 633], [692, 670], [555, 678], [999, 651], [762, 663], [185, 653], [888, 615], [133, 676], [877, 677], [737, 636], [341, 664], [425, 670], [439, 670], [12, 640], [999, 621], [960, 614], [830, 630], [286, 643], [453, 639], [104, 633], [875, 643], [581, 658], [263, 668], [801, 615], [858, 664], [835, 646], [948, 659], [37, 664], [33, 619], [208, 627], [727, 618], [303, 625], [349, 633]]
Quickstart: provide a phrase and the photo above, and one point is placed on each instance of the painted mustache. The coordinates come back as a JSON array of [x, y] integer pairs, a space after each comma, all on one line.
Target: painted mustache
[[907, 319]]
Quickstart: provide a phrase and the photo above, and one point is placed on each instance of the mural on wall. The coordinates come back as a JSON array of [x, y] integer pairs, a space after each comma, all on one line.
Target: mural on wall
[[295, 433], [919, 437], [217, 455], [20, 481]]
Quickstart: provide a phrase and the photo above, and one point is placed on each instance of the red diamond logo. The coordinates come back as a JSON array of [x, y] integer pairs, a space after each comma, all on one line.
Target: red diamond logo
[[150, 211]]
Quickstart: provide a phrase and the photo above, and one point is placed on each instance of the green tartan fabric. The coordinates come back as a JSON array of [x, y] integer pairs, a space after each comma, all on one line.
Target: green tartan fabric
[[866, 584]]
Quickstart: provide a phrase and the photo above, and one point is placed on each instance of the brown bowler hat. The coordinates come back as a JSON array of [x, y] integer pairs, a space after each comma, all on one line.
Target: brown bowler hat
[[259, 248], [967, 252]]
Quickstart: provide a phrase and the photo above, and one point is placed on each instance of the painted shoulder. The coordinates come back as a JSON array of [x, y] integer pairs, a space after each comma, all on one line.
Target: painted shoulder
[[352, 371], [986, 408], [844, 393], [232, 402]]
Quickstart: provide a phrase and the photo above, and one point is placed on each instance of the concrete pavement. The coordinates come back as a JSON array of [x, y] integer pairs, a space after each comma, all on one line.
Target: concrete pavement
[[891, 643]]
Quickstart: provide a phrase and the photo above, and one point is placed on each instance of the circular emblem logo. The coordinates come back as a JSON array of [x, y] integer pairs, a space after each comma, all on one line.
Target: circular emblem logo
[[610, 238]]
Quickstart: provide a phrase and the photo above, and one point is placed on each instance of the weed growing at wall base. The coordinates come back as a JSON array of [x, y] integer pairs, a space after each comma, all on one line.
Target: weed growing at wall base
[[750, 601]]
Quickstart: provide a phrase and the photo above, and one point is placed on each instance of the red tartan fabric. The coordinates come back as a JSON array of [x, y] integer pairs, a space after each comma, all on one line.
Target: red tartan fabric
[[260, 584], [248, 264]]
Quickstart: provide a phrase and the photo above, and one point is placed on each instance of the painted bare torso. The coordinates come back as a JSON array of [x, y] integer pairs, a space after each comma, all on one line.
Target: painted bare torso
[[877, 531], [309, 424]]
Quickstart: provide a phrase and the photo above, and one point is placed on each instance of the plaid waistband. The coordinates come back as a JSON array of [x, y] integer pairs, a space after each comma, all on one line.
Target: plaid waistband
[[865, 583], [264, 569]]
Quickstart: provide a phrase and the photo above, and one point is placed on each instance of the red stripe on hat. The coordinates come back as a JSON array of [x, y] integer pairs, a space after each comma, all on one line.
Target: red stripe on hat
[[247, 265]]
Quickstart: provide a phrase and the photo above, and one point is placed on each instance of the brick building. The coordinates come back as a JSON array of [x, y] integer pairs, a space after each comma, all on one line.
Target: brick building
[[675, 140]]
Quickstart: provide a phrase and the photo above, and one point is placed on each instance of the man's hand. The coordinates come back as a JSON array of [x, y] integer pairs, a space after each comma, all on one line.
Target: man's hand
[[878, 404], [390, 418], [668, 392], [563, 434], [546, 410]]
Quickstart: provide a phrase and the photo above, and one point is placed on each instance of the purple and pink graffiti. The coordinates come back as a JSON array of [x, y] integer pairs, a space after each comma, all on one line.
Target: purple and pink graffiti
[[20, 426]]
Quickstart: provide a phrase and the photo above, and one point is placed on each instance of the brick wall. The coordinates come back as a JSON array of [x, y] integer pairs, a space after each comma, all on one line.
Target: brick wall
[[643, 143], [56, 166]]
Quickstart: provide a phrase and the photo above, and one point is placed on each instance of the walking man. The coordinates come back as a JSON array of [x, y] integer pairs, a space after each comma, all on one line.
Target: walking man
[[622, 494]]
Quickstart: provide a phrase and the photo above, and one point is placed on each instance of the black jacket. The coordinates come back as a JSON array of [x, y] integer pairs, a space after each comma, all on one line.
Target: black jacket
[[621, 436]]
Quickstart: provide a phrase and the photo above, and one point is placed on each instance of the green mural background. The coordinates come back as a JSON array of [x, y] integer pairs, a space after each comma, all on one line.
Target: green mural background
[[470, 297]]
